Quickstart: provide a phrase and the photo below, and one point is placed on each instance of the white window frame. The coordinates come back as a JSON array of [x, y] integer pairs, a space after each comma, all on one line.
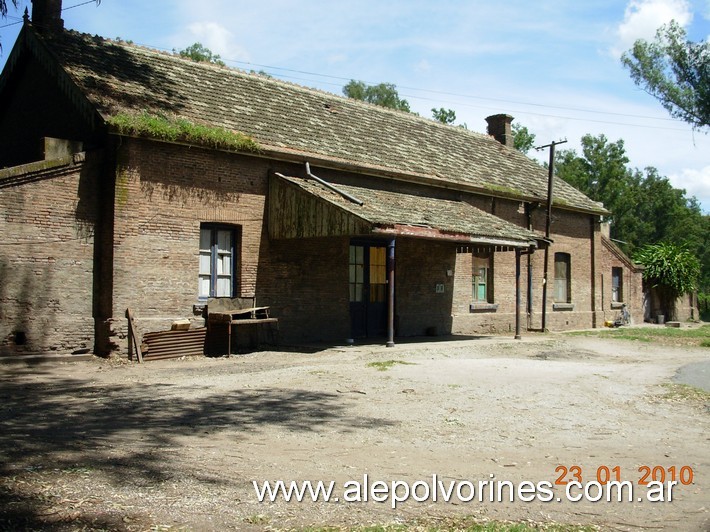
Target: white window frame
[[217, 261]]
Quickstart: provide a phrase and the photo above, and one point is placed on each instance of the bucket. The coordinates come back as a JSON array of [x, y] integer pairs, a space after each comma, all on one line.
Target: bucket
[[660, 319]]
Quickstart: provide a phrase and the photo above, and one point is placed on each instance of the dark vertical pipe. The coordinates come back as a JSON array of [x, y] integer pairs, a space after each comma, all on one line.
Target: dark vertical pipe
[[529, 297], [593, 267], [517, 294], [390, 302]]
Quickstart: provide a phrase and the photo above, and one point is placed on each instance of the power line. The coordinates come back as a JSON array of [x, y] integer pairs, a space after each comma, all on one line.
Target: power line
[[445, 93], [517, 111], [18, 20], [432, 91], [11, 24], [79, 5], [460, 95]]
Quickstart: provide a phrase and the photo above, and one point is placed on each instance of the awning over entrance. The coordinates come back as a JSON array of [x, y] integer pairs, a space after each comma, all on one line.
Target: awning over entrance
[[303, 208]]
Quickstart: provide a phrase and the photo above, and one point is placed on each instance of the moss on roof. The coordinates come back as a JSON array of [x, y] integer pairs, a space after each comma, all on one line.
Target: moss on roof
[[179, 130], [119, 78]]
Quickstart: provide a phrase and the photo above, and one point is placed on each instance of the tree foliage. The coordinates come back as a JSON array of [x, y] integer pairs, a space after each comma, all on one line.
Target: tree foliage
[[645, 207], [3, 7], [383, 94], [201, 54], [675, 71], [523, 140], [445, 116], [671, 269]]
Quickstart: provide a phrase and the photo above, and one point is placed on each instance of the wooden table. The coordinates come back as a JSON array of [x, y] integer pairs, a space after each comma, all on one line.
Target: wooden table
[[243, 316]]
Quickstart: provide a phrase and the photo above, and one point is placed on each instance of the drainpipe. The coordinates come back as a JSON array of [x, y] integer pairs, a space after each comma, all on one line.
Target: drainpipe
[[331, 187], [529, 207], [517, 294], [390, 293]]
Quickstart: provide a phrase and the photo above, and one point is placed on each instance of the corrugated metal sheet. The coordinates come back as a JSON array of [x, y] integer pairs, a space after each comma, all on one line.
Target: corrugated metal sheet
[[174, 344]]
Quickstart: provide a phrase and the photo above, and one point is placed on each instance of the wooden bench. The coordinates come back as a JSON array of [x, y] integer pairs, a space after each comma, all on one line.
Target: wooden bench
[[237, 311]]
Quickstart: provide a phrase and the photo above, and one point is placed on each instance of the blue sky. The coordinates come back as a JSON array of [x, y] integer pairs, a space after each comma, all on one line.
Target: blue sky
[[552, 64]]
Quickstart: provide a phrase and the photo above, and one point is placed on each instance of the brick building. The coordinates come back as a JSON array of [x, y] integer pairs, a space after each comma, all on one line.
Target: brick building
[[347, 219]]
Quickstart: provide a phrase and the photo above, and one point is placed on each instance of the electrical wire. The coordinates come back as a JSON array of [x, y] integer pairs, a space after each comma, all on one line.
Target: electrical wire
[[275, 69]]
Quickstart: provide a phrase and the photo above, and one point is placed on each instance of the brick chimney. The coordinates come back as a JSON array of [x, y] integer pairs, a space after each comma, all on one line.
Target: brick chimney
[[499, 127], [47, 16]]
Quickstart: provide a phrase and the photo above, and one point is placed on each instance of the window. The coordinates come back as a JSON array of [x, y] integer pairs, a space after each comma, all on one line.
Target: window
[[482, 279], [617, 285], [368, 274], [378, 274], [357, 273], [217, 261], [563, 278]]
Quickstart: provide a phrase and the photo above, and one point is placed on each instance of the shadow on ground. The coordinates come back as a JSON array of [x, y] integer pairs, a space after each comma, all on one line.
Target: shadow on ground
[[67, 423]]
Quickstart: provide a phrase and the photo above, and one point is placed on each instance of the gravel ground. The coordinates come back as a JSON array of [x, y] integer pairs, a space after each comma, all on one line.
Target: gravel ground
[[175, 445]]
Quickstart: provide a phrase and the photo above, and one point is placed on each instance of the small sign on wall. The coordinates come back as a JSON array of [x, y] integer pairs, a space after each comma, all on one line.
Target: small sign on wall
[[440, 288]]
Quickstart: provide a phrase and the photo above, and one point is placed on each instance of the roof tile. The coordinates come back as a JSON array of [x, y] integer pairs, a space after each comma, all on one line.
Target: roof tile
[[119, 77]]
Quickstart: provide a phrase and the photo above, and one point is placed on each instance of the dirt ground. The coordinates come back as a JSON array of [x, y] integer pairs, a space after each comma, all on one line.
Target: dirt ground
[[175, 445]]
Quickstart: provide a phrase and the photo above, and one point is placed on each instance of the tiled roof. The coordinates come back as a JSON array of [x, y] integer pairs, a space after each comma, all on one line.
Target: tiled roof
[[389, 210], [116, 76]]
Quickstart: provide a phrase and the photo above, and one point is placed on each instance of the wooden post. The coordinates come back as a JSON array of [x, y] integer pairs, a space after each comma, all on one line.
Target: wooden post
[[548, 222], [133, 336]]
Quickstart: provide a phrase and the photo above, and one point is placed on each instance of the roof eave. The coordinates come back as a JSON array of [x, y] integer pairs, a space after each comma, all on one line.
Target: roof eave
[[332, 163], [430, 233]]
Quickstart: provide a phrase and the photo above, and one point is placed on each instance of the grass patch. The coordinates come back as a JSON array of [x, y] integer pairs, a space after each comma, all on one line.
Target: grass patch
[[180, 130], [695, 336], [685, 393], [257, 519], [387, 364]]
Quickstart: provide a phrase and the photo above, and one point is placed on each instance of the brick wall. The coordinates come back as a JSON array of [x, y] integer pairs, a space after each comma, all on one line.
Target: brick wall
[[420, 266], [572, 233], [163, 193], [632, 290], [47, 219]]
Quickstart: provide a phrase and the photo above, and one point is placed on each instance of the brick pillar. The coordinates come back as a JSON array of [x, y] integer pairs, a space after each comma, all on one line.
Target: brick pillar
[[500, 128], [47, 15]]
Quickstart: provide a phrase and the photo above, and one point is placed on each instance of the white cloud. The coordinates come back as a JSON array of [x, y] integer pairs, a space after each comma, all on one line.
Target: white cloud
[[217, 38], [696, 183], [643, 17], [422, 66]]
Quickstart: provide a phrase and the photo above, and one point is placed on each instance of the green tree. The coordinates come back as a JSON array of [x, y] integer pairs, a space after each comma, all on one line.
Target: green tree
[[671, 269], [645, 207], [601, 173], [3, 7], [201, 54], [445, 116], [523, 140], [383, 94], [675, 71]]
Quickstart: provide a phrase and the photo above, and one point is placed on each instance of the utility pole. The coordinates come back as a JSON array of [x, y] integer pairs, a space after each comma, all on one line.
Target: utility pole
[[548, 221]]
